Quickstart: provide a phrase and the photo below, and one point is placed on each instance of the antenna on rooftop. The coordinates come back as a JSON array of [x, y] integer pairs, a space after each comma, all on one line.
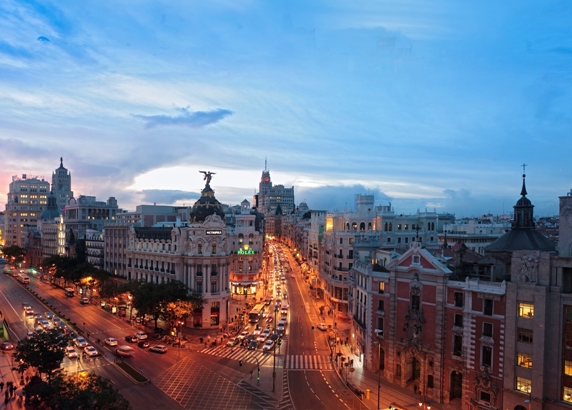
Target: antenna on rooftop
[[265, 164]]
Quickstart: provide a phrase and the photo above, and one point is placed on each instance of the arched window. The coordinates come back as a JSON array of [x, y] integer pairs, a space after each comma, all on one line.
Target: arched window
[[213, 251], [200, 249], [347, 226], [362, 226], [369, 226], [354, 226], [240, 238], [385, 227], [391, 226]]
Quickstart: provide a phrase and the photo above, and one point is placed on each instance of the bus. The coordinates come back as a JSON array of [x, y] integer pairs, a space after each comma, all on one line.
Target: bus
[[256, 313], [25, 279], [69, 292]]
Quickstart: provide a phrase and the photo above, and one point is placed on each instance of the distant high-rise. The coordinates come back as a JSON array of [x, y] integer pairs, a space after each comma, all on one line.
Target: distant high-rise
[[270, 198], [61, 185], [27, 198]]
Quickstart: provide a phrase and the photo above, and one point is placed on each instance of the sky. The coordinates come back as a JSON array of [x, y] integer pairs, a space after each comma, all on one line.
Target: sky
[[427, 105]]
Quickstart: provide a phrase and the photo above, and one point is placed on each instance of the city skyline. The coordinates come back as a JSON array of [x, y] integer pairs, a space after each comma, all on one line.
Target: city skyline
[[426, 107]]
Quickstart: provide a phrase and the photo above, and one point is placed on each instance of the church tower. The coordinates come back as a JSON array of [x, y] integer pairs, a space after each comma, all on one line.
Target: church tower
[[61, 185]]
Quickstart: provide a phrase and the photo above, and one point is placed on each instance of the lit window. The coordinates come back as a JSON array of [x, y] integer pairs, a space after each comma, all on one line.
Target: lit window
[[567, 394], [526, 310], [568, 367], [381, 287], [523, 385], [524, 360]]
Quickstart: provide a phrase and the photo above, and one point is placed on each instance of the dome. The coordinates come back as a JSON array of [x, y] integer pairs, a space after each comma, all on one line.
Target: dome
[[206, 205], [52, 210]]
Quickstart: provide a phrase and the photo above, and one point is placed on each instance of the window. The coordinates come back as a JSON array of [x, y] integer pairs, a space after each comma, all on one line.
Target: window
[[380, 326], [398, 227], [398, 240], [458, 299], [568, 315], [381, 287], [568, 341], [567, 394], [486, 397], [457, 345], [341, 241], [487, 356], [524, 335], [458, 320], [488, 308], [523, 385], [415, 302], [416, 258], [380, 305], [488, 329], [213, 251], [568, 367], [398, 370], [526, 310], [524, 360], [200, 250]]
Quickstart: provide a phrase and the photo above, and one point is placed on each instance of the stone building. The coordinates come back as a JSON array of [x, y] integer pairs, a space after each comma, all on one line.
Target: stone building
[[61, 185]]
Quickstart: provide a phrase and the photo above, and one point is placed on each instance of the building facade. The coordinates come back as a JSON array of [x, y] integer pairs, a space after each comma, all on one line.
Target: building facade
[[27, 198], [61, 185]]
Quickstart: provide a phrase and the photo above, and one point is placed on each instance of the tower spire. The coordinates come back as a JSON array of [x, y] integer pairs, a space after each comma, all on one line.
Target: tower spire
[[265, 164], [523, 190]]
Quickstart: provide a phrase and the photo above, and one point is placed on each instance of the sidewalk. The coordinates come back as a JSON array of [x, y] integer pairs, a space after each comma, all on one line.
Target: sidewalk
[[8, 375]]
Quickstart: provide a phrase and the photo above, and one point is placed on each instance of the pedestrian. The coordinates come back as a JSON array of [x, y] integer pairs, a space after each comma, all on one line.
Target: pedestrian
[[1, 386], [1, 313], [6, 398]]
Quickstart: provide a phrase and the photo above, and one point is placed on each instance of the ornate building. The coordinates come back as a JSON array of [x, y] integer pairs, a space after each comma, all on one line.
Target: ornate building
[[61, 185]]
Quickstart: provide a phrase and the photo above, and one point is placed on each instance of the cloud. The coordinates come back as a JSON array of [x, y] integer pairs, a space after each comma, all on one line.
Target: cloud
[[336, 197], [192, 119], [167, 196]]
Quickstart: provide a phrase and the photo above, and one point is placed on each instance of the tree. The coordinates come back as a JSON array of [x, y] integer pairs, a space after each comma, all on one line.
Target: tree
[[14, 254], [75, 392], [44, 351]]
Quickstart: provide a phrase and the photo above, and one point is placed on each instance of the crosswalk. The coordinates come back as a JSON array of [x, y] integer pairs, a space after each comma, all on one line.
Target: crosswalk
[[310, 362], [238, 353]]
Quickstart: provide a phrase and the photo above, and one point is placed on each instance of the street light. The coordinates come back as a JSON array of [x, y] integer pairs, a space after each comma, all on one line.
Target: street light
[[378, 343]]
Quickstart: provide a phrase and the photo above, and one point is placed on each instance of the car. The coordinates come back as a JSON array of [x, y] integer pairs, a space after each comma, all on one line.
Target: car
[[280, 331], [49, 315], [264, 335], [267, 302], [131, 339], [80, 342], [25, 305], [280, 326], [284, 312], [84, 301], [29, 311], [158, 349], [141, 335], [90, 351], [44, 323], [38, 316], [30, 334], [322, 326], [71, 352], [126, 351], [269, 318], [249, 339], [253, 345], [283, 277], [268, 345], [6, 346], [285, 295], [243, 335], [111, 341], [273, 336], [143, 344], [232, 342], [257, 331]]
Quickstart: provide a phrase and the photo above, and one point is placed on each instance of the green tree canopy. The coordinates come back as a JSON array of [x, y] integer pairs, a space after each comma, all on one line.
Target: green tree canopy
[[75, 392], [14, 254], [44, 351]]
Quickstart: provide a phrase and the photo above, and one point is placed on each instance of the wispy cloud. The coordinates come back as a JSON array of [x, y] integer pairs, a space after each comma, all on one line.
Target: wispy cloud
[[187, 118], [167, 196]]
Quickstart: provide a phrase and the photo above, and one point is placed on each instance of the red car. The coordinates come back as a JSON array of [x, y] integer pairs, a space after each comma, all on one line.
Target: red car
[[6, 346], [269, 318]]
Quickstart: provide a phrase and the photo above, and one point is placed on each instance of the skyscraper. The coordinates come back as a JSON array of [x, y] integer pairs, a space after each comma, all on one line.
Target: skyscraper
[[61, 185]]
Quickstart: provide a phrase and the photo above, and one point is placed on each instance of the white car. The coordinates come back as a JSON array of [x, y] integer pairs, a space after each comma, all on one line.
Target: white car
[[322, 326], [71, 352], [264, 335], [243, 335], [80, 342], [158, 349], [126, 351], [268, 345], [90, 351], [111, 341], [141, 335]]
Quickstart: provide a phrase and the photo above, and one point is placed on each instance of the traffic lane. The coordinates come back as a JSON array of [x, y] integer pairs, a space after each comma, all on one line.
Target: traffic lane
[[309, 390], [12, 294]]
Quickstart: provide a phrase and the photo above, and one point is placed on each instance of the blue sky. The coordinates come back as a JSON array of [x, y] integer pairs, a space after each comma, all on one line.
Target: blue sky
[[425, 104]]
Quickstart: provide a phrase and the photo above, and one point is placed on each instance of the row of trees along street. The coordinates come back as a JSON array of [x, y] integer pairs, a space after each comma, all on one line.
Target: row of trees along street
[[43, 352], [170, 301]]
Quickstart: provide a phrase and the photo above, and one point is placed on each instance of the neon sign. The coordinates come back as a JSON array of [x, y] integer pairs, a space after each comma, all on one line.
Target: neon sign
[[245, 252]]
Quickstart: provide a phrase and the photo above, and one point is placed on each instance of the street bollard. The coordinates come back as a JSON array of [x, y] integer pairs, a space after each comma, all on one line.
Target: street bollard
[[367, 393]]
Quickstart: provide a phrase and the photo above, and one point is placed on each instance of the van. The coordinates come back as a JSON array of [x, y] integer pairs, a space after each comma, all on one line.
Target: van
[[126, 351]]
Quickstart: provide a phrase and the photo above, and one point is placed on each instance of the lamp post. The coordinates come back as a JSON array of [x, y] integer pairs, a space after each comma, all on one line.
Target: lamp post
[[378, 343]]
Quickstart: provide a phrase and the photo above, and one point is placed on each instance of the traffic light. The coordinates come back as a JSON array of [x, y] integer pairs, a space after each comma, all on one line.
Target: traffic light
[[240, 363]]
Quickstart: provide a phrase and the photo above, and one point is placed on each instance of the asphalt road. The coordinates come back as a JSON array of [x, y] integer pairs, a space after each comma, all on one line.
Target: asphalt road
[[312, 384]]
